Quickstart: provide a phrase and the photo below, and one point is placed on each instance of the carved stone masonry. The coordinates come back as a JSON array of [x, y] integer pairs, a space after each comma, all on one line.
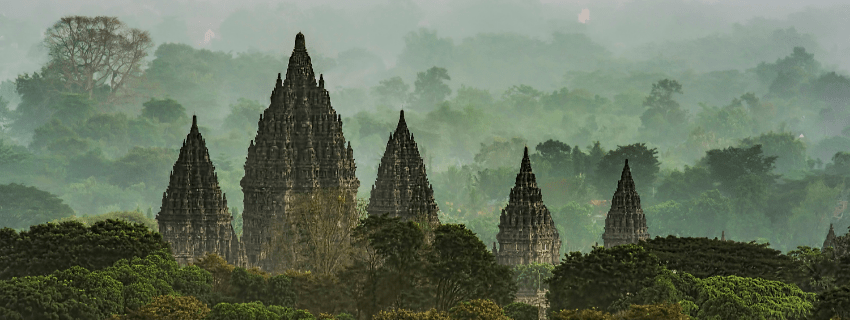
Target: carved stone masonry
[[299, 148], [625, 222], [526, 231], [401, 188], [194, 217]]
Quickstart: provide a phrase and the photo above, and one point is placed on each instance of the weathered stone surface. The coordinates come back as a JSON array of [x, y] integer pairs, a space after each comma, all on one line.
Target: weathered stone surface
[[526, 231], [625, 222], [299, 148], [194, 217], [402, 189]]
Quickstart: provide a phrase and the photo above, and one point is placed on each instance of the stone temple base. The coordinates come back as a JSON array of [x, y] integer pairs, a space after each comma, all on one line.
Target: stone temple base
[[535, 298]]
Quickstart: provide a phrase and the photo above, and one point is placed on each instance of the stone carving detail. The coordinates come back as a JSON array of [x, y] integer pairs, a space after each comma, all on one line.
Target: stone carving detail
[[402, 188], [625, 222], [194, 217], [299, 148], [526, 231]]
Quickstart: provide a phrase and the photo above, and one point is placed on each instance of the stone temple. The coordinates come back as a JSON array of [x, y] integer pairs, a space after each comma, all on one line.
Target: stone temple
[[194, 217], [401, 188], [299, 149], [526, 231], [625, 222]]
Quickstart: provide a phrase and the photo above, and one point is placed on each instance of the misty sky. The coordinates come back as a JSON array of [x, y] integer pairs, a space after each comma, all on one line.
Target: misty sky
[[380, 26]]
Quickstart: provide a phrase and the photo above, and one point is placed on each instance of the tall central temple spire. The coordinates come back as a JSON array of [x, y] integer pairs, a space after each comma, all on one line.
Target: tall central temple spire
[[299, 149], [527, 232], [401, 188], [625, 222]]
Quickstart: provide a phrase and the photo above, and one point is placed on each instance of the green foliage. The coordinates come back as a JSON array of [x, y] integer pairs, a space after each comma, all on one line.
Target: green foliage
[[49, 247], [814, 212], [643, 163], [832, 304], [790, 152], [463, 269], [585, 314], [729, 165], [682, 185], [143, 165], [255, 311], [169, 308], [24, 206], [818, 268], [392, 91], [477, 309], [402, 314], [578, 221], [705, 258], [532, 276], [429, 89], [601, 277], [521, 311], [164, 110]]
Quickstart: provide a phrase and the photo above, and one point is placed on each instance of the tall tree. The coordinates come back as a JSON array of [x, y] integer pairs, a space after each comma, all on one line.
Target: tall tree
[[643, 162], [463, 269], [91, 54], [429, 88]]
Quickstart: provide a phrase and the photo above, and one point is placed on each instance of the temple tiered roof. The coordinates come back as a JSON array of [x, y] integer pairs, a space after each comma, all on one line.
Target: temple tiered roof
[[625, 222], [527, 232], [194, 216]]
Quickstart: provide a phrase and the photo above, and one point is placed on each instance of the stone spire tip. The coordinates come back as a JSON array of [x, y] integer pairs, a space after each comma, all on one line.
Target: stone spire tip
[[299, 42], [194, 123]]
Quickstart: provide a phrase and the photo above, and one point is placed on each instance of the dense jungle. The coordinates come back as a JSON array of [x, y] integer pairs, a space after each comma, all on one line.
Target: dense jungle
[[732, 115]]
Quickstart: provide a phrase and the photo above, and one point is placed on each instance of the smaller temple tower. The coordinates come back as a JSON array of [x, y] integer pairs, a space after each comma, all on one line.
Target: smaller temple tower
[[527, 232], [402, 188], [830, 238], [194, 217], [625, 222]]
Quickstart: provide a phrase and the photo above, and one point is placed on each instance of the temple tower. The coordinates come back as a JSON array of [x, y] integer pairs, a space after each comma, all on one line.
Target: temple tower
[[625, 222], [401, 188], [526, 231], [299, 149], [194, 217]]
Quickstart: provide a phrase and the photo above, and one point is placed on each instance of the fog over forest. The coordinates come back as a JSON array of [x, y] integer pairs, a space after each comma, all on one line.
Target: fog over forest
[[733, 112]]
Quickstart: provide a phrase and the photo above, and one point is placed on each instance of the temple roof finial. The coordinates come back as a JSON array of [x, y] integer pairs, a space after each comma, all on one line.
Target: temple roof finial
[[300, 44]]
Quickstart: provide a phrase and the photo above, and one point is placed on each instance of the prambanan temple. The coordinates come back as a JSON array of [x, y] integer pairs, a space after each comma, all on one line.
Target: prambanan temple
[[526, 231], [401, 189], [625, 222], [194, 217], [300, 149]]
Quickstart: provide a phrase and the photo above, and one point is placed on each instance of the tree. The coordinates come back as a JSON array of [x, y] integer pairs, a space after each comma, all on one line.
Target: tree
[[402, 314], [728, 165], [790, 152], [705, 258], [49, 247], [429, 89], [818, 268], [683, 185], [256, 311], [660, 103], [392, 91], [643, 163], [169, 308], [521, 311], [462, 268], [558, 155], [316, 232], [832, 304], [601, 277], [95, 54], [164, 111], [477, 309], [243, 117], [532, 276], [22, 206], [146, 165]]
